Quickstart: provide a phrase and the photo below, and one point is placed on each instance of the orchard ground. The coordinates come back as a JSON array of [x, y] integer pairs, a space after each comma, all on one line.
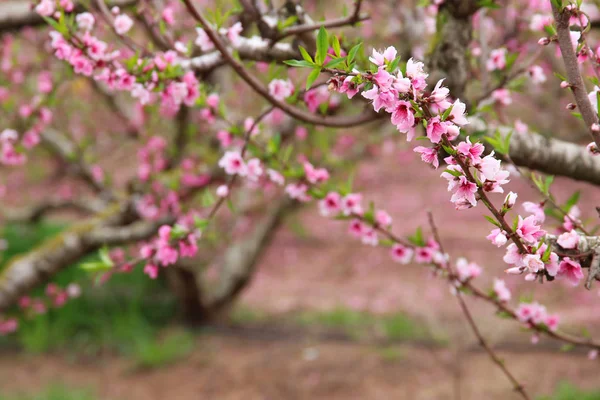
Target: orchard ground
[[327, 317]]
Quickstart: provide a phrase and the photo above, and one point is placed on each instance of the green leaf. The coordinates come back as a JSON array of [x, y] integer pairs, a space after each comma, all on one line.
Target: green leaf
[[322, 46], [572, 201], [312, 77], [598, 102], [394, 64], [305, 55], [94, 266], [299, 63], [417, 238], [335, 62], [492, 221], [352, 53], [453, 173], [336, 45], [105, 257]]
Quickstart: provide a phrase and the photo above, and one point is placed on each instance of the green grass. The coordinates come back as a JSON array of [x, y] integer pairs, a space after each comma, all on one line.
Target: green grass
[[152, 353], [395, 326], [54, 392], [115, 316], [567, 391]]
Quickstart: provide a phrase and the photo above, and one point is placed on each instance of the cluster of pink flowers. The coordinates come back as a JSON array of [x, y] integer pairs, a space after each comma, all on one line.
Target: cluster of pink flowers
[[168, 247], [152, 158], [536, 314], [232, 34]]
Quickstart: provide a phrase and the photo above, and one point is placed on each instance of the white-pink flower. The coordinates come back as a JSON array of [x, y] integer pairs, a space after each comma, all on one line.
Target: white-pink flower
[[497, 237], [85, 21], [331, 204], [123, 24], [46, 8], [233, 163], [281, 89], [568, 240], [467, 270], [501, 290], [401, 254]]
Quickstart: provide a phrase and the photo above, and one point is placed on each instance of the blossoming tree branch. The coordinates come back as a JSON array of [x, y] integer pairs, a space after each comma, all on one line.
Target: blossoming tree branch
[[163, 75]]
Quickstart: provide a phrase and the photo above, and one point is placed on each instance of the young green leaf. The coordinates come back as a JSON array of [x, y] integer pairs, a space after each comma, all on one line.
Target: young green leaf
[[312, 77], [322, 46]]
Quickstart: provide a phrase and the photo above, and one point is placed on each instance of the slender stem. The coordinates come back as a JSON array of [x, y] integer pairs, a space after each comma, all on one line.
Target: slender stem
[[589, 115], [469, 317], [256, 84]]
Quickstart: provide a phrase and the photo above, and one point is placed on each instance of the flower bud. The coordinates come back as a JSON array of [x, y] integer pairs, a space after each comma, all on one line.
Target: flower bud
[[565, 84], [571, 106], [595, 128], [510, 200], [544, 41], [514, 271]]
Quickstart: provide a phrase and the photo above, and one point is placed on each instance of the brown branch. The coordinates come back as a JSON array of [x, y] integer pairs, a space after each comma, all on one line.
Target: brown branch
[[589, 115], [469, 317], [256, 84], [36, 212], [17, 14]]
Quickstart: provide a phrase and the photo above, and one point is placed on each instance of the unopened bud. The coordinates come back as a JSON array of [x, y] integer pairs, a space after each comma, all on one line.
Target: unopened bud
[[595, 128], [565, 84], [571, 106], [514, 271], [593, 149], [544, 41], [510, 200]]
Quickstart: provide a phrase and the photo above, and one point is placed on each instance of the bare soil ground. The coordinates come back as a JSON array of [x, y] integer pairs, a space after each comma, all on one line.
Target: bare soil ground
[[324, 269]]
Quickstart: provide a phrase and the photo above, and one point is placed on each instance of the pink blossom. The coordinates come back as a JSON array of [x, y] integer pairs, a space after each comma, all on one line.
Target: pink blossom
[[369, 237], [465, 190], [435, 129], [457, 114], [383, 218], [315, 175], [568, 240], [222, 191], [85, 21], [331, 204], [233, 33], [356, 228], [551, 321], [537, 74], [571, 270], [381, 99], [351, 204], [380, 59], [166, 254], [254, 169], [501, 290], [123, 24], [297, 191], [233, 163], [151, 270], [402, 254], [429, 155], [46, 8], [533, 262], [467, 270], [188, 246], [45, 82], [281, 89], [473, 151], [528, 229], [497, 237], [275, 177], [403, 116], [168, 16], [497, 60], [203, 41], [502, 96], [424, 255], [415, 71], [536, 209], [513, 256]]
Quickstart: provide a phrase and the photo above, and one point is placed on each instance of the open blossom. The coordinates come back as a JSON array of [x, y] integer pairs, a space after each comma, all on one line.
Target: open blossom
[[123, 24], [502, 96], [497, 237], [464, 190], [571, 270], [528, 229], [151, 270], [85, 21], [383, 218], [369, 237], [275, 177], [297, 191], [429, 155], [222, 191], [533, 262], [281, 89], [534, 313], [501, 290], [473, 151], [233, 163], [315, 175], [46, 8], [439, 95], [435, 129], [536, 209], [379, 59], [403, 116], [401, 254], [497, 60], [203, 41], [351, 204], [537, 74], [331, 204], [568, 240], [233, 33], [381, 99], [415, 71], [467, 270], [254, 169]]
